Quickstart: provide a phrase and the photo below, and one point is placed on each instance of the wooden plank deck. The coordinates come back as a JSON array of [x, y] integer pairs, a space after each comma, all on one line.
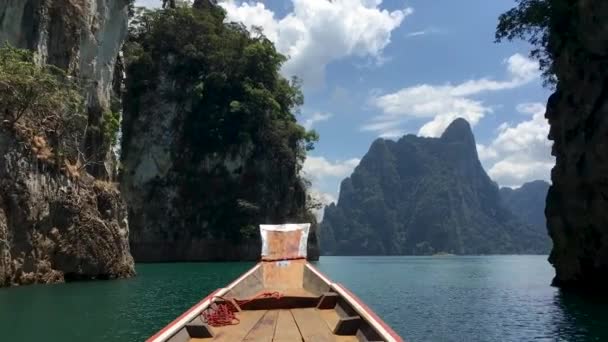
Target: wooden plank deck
[[263, 331], [231, 333], [287, 329], [312, 327], [306, 325]]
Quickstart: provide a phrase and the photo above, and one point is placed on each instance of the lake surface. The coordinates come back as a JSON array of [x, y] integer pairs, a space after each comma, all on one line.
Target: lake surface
[[485, 298]]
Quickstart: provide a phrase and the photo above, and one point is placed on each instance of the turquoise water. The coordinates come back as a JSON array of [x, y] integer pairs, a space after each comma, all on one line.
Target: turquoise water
[[489, 298]]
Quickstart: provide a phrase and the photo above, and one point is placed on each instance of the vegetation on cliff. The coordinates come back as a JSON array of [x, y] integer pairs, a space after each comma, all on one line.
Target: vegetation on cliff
[[229, 78], [570, 38], [424, 196], [235, 147], [57, 223], [546, 24], [43, 106]]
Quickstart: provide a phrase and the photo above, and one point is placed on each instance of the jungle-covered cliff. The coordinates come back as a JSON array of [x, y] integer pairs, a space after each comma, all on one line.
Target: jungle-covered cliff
[[571, 41], [425, 196], [211, 146], [83, 38], [57, 222]]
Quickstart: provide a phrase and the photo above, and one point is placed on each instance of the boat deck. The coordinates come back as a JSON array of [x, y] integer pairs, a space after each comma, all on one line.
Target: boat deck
[[283, 299], [306, 324]]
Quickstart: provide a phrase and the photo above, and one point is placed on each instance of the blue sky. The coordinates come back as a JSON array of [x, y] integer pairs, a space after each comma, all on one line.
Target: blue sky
[[376, 68]]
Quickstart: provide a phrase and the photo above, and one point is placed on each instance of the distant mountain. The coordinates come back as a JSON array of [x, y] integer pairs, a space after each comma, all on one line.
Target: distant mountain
[[528, 203], [424, 196]]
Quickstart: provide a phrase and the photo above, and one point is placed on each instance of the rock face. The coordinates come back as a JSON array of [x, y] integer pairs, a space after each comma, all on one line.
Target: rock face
[[220, 154], [577, 203], [53, 229], [82, 37], [528, 203], [177, 216], [424, 196]]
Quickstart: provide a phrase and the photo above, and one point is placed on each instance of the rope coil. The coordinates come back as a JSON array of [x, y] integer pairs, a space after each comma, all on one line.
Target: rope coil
[[223, 314], [219, 315]]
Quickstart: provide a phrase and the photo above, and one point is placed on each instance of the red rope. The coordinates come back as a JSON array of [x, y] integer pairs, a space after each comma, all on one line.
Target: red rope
[[283, 258], [222, 314], [219, 315], [276, 295]]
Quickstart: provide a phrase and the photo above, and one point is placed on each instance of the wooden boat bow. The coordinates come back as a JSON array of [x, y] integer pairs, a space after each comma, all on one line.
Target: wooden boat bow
[[282, 298]]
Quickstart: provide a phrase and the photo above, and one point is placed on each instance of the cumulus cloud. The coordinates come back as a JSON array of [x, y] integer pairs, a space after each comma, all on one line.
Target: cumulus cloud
[[324, 199], [318, 32], [324, 175], [314, 118], [521, 152], [444, 103], [319, 167]]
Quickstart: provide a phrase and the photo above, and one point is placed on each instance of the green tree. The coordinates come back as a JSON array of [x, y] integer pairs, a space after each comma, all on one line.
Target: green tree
[[229, 77], [549, 25], [231, 101], [41, 100]]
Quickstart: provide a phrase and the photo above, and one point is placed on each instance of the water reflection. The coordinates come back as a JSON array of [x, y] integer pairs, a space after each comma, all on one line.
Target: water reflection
[[580, 318]]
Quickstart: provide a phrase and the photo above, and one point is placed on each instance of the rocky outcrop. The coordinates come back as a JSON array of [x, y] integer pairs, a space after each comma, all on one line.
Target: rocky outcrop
[[82, 37], [212, 214], [424, 196], [211, 147], [53, 228], [578, 115], [528, 203]]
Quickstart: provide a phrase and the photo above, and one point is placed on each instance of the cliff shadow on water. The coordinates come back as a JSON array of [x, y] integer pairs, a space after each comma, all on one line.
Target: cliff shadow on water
[[580, 316]]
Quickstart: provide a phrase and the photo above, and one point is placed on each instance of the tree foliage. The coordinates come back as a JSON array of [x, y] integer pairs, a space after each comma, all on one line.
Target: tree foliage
[[228, 77], [546, 24], [42, 101], [230, 105], [111, 126]]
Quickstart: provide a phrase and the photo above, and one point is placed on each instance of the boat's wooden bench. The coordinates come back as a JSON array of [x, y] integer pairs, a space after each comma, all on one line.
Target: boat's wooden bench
[[303, 324], [324, 318]]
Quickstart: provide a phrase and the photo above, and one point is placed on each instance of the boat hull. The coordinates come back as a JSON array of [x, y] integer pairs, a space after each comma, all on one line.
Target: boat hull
[[306, 306]]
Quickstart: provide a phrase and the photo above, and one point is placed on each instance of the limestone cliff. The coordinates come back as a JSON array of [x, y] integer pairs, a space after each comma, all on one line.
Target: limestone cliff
[[424, 196], [54, 229], [577, 203], [82, 37], [210, 145]]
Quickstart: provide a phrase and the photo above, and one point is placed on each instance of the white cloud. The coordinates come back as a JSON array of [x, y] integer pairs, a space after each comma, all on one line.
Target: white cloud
[[416, 33], [324, 175], [318, 32], [522, 152], [392, 134], [319, 167], [430, 30], [486, 153], [149, 3], [314, 118], [323, 198], [444, 103]]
